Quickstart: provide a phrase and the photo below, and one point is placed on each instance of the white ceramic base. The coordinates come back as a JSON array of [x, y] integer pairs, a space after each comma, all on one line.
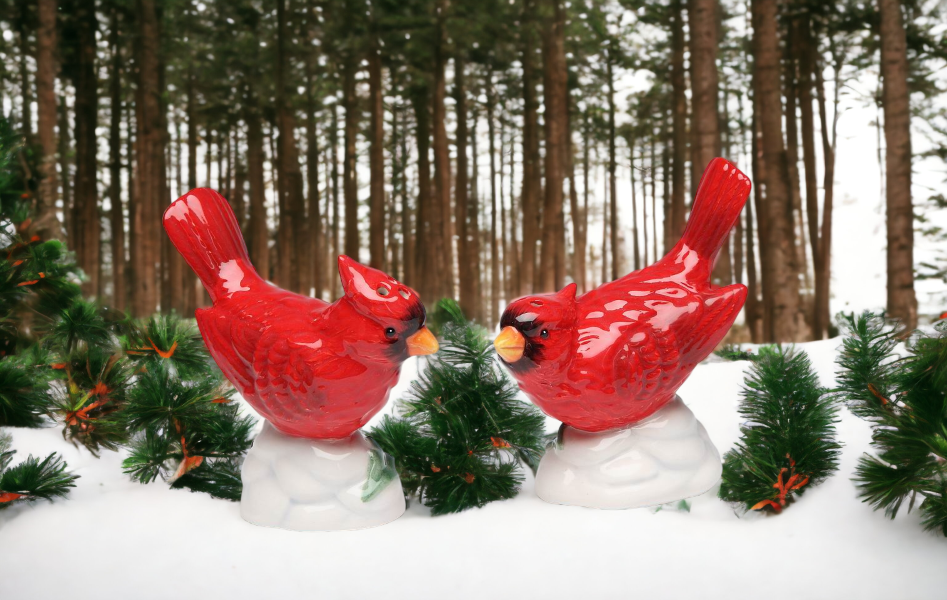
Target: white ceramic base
[[663, 458], [319, 485]]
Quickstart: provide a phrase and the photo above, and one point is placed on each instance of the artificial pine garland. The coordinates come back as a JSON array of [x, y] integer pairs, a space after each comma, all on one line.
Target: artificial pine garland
[[32, 479], [905, 399], [462, 435], [108, 380], [788, 442]]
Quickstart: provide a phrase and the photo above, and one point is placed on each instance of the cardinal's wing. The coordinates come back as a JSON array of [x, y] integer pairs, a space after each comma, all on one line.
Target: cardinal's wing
[[232, 343], [721, 307], [292, 371]]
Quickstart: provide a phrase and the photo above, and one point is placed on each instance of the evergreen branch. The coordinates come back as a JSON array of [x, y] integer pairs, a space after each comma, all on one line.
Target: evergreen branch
[[462, 433], [34, 479], [24, 393], [868, 364], [788, 443], [79, 326], [219, 478], [167, 338], [909, 416]]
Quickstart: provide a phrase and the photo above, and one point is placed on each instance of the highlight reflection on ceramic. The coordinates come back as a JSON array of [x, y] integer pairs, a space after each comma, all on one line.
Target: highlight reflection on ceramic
[[313, 369], [618, 353]]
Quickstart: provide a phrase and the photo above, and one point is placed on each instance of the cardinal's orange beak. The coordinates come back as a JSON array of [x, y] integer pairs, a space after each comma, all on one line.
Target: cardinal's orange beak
[[510, 344], [422, 342]]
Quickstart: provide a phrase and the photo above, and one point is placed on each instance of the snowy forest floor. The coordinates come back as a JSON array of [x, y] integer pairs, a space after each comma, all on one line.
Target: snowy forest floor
[[114, 538]]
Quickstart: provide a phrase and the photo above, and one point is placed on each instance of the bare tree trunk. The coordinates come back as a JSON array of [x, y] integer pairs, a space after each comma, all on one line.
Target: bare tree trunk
[[26, 96], [441, 215], [334, 170], [350, 172], [316, 237], [702, 20], [116, 215], [65, 172], [612, 167], [792, 153], [473, 222], [469, 301], [149, 174], [425, 229], [494, 242], [576, 212], [376, 198], [257, 226], [46, 223], [902, 301], [407, 233], [634, 208], [292, 221], [801, 46], [678, 123], [531, 175], [787, 321], [88, 227], [554, 96]]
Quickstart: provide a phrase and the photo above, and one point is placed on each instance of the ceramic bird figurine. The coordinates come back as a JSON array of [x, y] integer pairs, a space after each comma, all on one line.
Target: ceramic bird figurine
[[618, 353], [312, 369]]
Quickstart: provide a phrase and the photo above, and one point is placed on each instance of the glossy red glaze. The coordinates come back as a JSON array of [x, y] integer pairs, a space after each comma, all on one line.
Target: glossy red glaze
[[619, 353], [313, 369]]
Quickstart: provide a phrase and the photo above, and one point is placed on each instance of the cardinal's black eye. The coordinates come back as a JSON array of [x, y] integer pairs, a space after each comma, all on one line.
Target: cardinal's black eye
[[544, 334], [390, 333]]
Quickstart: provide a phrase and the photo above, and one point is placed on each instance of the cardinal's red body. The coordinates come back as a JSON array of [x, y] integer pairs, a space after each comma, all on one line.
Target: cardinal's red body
[[313, 369], [619, 352]]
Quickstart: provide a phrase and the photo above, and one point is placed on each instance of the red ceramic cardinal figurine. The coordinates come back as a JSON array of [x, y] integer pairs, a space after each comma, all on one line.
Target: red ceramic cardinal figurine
[[312, 369], [619, 353]]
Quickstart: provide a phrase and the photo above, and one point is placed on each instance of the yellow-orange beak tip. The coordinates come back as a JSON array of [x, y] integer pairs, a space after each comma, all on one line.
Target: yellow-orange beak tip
[[422, 342], [510, 344]]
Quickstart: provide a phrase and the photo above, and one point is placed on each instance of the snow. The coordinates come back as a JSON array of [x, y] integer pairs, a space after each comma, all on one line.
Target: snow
[[117, 539]]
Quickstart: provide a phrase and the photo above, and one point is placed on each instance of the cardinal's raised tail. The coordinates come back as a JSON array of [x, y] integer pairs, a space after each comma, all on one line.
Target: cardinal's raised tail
[[722, 192], [203, 228]]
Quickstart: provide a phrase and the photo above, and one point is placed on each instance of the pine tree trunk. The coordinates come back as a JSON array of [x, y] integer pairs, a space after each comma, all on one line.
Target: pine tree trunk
[[65, 172], [425, 229], [293, 219], [678, 123], [494, 241], [46, 223], [349, 167], [634, 208], [149, 154], [441, 214], [257, 229], [26, 96], [408, 234], [803, 51], [702, 18], [376, 199], [531, 176], [334, 173], [577, 214], [316, 237], [902, 301], [469, 302], [555, 116], [88, 227], [787, 320], [612, 167], [116, 215], [473, 223], [823, 262]]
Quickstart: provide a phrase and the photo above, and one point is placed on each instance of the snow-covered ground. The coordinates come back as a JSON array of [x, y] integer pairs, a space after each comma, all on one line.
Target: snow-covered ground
[[117, 539]]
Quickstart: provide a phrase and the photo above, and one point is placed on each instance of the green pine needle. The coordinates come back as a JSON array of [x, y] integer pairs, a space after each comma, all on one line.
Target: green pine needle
[[36, 479], [176, 420], [788, 442], [170, 339], [905, 398], [80, 326], [463, 434], [24, 393]]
